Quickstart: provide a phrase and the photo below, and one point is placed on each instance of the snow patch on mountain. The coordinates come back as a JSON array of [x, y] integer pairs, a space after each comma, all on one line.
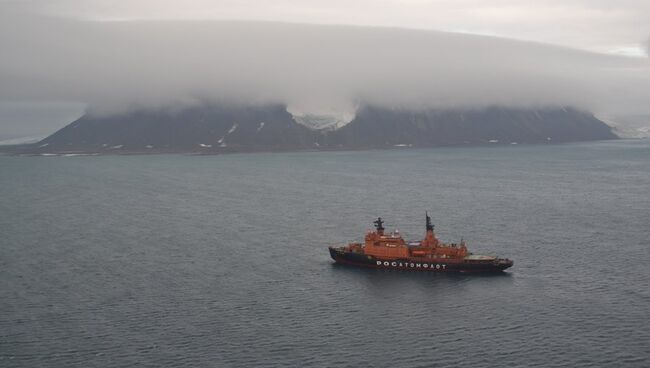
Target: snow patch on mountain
[[327, 118], [21, 140], [637, 126]]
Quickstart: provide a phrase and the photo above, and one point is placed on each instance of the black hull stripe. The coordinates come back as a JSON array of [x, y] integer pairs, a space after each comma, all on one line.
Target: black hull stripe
[[447, 267]]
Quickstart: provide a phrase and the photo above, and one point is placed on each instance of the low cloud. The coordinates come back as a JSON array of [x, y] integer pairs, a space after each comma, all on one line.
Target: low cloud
[[115, 66]]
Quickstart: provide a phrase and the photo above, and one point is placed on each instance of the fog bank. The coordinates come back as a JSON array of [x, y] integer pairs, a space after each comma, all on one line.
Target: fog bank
[[116, 66]]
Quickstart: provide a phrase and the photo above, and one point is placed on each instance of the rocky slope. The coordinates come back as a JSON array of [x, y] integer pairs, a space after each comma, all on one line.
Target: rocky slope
[[213, 129]]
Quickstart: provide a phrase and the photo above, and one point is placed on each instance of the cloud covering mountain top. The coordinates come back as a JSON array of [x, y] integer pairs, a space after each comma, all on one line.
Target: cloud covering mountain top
[[115, 66]]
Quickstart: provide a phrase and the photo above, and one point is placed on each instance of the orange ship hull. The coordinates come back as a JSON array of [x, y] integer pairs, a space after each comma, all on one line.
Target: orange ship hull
[[343, 256], [390, 251]]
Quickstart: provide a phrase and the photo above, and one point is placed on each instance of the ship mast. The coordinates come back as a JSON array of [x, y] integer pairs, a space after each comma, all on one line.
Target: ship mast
[[429, 224], [430, 238], [379, 225]]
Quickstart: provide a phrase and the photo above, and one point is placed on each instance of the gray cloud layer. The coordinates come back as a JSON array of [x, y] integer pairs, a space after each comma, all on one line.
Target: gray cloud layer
[[113, 66], [598, 25]]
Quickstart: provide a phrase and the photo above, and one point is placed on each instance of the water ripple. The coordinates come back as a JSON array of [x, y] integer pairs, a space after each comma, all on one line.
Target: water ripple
[[221, 261]]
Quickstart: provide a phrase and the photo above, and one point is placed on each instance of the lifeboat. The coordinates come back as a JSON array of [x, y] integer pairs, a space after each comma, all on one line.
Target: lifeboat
[[390, 251]]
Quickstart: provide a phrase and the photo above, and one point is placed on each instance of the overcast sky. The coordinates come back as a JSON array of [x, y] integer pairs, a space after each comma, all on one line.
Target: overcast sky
[[60, 55], [611, 26]]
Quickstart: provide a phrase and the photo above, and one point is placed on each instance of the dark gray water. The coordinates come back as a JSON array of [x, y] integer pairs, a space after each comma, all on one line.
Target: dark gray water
[[222, 261]]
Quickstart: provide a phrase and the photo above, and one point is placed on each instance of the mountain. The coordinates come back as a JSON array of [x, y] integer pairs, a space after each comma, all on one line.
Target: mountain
[[215, 128], [379, 127], [207, 127]]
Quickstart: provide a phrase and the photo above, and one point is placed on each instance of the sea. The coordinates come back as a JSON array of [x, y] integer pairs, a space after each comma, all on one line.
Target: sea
[[222, 260]]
